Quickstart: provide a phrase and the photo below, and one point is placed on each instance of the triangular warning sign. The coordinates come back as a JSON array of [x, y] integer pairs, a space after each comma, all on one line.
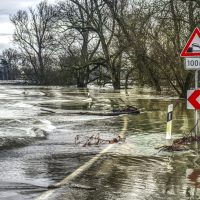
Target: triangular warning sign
[[192, 47]]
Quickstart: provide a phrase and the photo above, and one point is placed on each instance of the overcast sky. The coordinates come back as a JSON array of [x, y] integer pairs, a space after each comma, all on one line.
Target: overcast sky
[[7, 8]]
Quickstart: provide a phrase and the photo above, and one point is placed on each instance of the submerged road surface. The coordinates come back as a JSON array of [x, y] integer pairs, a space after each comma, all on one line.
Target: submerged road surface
[[39, 159]]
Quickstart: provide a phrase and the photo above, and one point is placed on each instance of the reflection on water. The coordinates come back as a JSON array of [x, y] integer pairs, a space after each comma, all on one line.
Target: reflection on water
[[130, 170]]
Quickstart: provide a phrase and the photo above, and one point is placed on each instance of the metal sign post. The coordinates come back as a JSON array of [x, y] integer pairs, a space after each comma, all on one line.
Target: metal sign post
[[191, 52], [195, 111]]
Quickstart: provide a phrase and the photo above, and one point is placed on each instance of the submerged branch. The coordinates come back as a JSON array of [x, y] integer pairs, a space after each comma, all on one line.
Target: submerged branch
[[95, 140]]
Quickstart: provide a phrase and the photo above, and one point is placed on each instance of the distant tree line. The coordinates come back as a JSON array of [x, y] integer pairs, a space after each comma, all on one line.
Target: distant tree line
[[77, 42]]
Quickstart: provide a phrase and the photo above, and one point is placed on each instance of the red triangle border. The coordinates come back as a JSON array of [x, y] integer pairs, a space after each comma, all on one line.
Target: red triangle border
[[184, 52]]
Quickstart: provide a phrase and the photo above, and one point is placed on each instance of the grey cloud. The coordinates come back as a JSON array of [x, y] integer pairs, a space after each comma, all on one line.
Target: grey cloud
[[10, 7], [4, 46], [5, 34], [4, 12]]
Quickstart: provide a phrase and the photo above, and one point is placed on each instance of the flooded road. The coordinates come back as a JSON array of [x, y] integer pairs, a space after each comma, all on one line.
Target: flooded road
[[38, 150]]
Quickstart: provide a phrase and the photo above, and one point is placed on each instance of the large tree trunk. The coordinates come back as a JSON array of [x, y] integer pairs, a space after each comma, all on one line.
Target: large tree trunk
[[115, 77], [116, 84], [81, 82]]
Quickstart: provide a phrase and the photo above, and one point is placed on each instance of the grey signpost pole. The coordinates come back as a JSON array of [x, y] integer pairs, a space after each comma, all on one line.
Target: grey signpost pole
[[196, 112], [191, 52], [194, 64]]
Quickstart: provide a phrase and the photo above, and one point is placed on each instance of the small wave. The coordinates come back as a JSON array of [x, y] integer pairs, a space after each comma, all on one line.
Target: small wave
[[32, 135], [11, 142], [20, 186], [33, 93], [22, 105], [37, 133], [44, 125]]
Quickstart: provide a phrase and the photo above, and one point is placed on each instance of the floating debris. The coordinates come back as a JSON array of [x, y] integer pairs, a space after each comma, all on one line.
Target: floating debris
[[180, 144], [187, 140], [126, 110], [95, 140], [112, 113], [173, 147], [115, 112]]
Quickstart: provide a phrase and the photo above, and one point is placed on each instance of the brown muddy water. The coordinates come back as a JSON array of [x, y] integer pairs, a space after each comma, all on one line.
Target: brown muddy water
[[38, 150]]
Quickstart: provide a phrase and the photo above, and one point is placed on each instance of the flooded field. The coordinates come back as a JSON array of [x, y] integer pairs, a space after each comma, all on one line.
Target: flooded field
[[37, 146]]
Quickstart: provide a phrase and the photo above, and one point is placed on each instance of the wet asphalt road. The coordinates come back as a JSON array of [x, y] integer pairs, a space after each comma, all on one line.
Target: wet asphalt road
[[38, 151]]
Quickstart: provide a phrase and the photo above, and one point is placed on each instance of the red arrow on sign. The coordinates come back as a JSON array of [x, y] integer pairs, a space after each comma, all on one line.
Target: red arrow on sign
[[193, 99]]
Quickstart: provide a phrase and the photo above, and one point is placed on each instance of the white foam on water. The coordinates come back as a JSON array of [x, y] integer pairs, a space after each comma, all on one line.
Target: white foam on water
[[12, 132], [44, 125], [33, 93], [74, 118], [36, 132], [22, 105], [2, 96]]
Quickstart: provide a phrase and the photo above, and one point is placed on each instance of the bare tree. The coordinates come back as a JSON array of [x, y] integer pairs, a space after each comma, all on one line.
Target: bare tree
[[108, 40], [164, 27], [79, 44], [33, 34], [175, 22], [11, 66]]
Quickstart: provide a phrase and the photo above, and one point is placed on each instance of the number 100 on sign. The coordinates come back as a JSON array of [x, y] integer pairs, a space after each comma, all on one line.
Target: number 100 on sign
[[192, 63]]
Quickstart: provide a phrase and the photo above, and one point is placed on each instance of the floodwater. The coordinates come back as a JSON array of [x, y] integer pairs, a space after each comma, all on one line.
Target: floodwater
[[37, 138]]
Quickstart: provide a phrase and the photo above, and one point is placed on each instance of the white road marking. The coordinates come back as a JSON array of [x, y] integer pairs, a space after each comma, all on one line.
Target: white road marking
[[84, 167]]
